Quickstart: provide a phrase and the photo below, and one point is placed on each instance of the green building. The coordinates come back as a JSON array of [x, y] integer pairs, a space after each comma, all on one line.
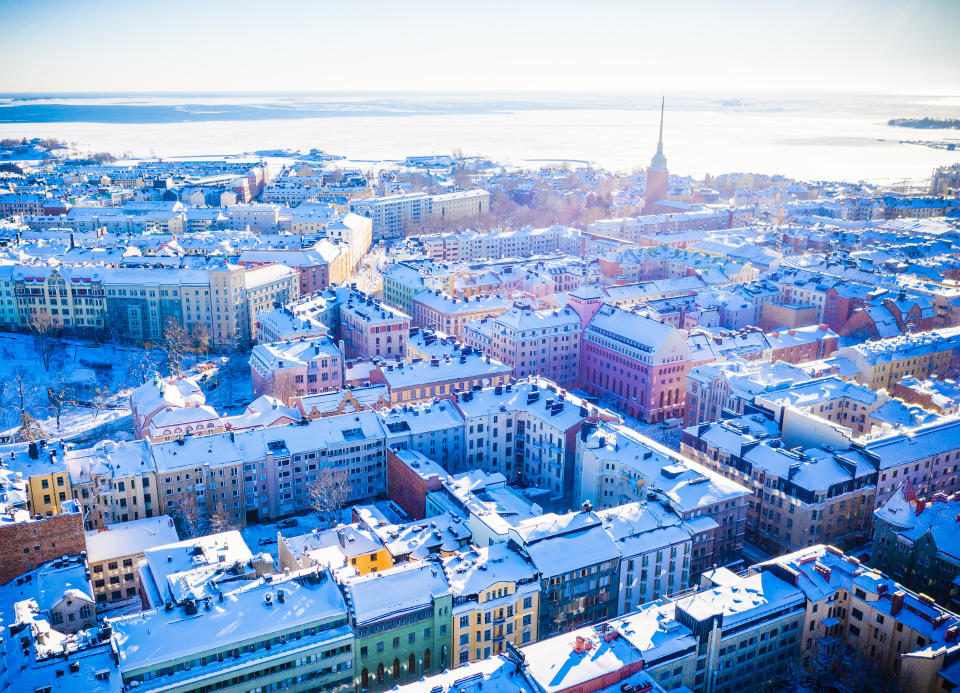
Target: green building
[[401, 621]]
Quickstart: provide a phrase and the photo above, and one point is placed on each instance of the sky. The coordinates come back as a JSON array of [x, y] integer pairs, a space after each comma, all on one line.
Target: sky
[[879, 46]]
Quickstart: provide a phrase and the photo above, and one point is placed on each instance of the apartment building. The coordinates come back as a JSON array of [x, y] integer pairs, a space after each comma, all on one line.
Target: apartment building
[[291, 369], [450, 315], [114, 552], [579, 568], [654, 546], [280, 463], [396, 216], [525, 431], [401, 620], [417, 382], [900, 632], [284, 632], [638, 363], [400, 283], [615, 465], [747, 628], [371, 328], [927, 455], [800, 495], [885, 362], [915, 540], [496, 599], [533, 343], [472, 245]]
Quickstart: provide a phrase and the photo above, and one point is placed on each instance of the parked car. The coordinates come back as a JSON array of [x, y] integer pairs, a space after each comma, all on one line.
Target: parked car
[[289, 522]]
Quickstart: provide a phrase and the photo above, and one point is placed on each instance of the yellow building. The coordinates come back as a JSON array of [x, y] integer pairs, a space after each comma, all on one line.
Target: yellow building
[[114, 551], [496, 599], [48, 490], [884, 362], [340, 547], [45, 476], [899, 631]]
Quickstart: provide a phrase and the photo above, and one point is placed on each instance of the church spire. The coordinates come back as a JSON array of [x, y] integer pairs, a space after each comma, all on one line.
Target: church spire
[[660, 141], [659, 161]]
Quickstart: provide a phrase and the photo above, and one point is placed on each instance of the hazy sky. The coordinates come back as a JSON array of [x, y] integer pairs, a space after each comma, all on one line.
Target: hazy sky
[[634, 45]]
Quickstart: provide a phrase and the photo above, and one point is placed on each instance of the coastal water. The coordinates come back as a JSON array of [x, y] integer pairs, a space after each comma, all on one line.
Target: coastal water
[[811, 137]]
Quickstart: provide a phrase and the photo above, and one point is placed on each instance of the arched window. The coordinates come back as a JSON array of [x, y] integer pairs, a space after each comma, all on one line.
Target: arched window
[[412, 665], [364, 678], [396, 668], [380, 676], [426, 659]]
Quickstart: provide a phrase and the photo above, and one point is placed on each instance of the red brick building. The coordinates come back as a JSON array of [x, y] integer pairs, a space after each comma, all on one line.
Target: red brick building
[[410, 477], [25, 546]]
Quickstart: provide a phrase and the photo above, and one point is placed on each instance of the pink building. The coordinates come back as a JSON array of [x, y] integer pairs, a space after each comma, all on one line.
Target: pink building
[[371, 328], [542, 343], [638, 364], [287, 370]]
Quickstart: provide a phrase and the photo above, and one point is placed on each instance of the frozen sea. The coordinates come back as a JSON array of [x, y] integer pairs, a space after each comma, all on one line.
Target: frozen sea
[[809, 136]]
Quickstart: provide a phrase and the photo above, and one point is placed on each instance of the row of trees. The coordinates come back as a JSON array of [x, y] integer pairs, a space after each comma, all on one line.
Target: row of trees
[[327, 497]]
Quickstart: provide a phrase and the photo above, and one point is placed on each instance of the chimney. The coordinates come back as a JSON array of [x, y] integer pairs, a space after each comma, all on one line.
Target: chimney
[[896, 605]]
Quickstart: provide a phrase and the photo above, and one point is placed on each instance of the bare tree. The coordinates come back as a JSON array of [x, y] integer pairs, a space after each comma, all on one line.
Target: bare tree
[[23, 388], [221, 521], [59, 394], [832, 666], [328, 494], [30, 429], [189, 517], [176, 343], [101, 395], [45, 336], [199, 340], [139, 367]]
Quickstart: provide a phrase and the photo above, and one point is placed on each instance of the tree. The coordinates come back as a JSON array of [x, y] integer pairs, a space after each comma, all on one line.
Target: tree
[[221, 521], [176, 343], [101, 395], [199, 340], [328, 494], [23, 388], [59, 394], [189, 518], [45, 336], [832, 666], [140, 367]]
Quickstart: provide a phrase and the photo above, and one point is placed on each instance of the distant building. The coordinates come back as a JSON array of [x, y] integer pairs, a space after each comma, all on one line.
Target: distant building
[[916, 541]]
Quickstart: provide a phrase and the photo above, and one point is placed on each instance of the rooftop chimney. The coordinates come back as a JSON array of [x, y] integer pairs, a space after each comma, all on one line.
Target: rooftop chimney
[[896, 605]]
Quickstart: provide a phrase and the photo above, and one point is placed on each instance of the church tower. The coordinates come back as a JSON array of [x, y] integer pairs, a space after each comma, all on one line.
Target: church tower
[[657, 175]]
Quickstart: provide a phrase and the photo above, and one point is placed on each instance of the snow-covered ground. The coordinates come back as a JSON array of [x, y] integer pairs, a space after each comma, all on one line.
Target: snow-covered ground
[[97, 380], [262, 538]]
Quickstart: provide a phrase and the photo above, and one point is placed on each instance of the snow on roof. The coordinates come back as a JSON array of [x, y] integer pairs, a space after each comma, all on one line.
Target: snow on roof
[[560, 543], [684, 483], [151, 638], [474, 570], [183, 569], [58, 579], [555, 665], [267, 274], [633, 328], [741, 599], [129, 538], [821, 571], [469, 367], [293, 353], [395, 591], [903, 447], [419, 539]]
